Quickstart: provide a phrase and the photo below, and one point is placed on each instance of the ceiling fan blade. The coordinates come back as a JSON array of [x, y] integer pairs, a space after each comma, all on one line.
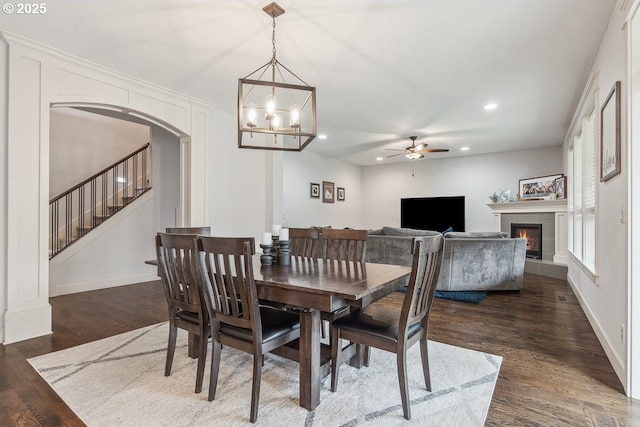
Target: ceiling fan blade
[[393, 155], [434, 150], [393, 149]]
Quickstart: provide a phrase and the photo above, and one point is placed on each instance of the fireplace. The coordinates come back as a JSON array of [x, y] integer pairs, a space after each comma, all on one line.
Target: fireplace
[[533, 234]]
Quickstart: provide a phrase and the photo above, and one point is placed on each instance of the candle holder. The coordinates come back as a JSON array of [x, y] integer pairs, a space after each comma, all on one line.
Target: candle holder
[[284, 254], [266, 258]]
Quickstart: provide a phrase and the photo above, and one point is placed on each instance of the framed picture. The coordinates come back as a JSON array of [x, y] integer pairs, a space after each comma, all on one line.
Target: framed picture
[[328, 191], [561, 187], [610, 135], [540, 187], [315, 190], [340, 194]]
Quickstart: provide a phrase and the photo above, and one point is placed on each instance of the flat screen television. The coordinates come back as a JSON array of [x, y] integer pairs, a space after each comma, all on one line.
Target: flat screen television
[[433, 213]]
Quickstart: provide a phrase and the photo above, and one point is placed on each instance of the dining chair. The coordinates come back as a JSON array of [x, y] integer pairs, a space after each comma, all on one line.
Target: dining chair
[[303, 242], [396, 331], [186, 308], [348, 245], [205, 231], [225, 272], [343, 244]]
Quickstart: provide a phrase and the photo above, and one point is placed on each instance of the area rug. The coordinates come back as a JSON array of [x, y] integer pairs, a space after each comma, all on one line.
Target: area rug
[[119, 381], [473, 297]]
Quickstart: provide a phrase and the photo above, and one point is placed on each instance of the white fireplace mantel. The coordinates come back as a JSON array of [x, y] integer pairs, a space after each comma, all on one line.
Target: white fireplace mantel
[[558, 207], [532, 206]]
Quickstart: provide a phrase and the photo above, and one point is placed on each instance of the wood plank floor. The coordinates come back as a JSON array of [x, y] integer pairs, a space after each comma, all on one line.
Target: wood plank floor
[[554, 372]]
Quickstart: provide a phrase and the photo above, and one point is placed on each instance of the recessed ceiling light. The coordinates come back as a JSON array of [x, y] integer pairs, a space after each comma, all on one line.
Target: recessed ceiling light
[[322, 136], [464, 148], [491, 106], [379, 158]]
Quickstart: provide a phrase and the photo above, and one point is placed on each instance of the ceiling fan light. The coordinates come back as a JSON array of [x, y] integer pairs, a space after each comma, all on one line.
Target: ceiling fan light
[[414, 156]]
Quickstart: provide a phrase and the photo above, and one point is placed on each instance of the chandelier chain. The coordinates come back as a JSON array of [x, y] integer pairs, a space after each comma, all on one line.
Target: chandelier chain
[[273, 36]]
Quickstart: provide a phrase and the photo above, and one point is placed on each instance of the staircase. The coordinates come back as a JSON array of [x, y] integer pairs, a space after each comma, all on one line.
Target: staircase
[[90, 203]]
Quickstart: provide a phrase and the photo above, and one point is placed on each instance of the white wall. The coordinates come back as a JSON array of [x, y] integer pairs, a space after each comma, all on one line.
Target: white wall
[[3, 188], [165, 180], [39, 77], [114, 253], [237, 182], [300, 210], [83, 143], [605, 300], [475, 177]]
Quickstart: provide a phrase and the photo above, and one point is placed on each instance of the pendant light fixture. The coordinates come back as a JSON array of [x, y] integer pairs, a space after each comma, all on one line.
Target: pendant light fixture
[[276, 108]]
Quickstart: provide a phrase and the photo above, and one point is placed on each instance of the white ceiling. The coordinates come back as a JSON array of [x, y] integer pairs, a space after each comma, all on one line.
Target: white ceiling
[[383, 69]]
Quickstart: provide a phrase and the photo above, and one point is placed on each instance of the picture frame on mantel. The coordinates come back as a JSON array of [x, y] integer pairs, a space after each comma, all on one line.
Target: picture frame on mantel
[[561, 187], [610, 162], [538, 188]]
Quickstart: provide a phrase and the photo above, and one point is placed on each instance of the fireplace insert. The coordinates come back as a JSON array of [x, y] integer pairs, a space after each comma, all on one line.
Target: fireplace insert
[[533, 234]]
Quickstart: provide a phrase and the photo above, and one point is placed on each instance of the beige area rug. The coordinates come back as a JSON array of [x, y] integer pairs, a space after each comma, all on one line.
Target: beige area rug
[[119, 381]]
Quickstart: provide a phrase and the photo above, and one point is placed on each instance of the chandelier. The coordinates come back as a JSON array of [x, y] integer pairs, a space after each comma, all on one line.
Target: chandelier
[[276, 108]]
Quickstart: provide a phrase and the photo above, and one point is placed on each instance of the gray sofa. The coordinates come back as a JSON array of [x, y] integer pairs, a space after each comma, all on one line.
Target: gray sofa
[[474, 261]]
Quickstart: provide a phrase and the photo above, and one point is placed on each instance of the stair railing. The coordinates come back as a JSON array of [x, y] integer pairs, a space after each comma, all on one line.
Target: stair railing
[[86, 205]]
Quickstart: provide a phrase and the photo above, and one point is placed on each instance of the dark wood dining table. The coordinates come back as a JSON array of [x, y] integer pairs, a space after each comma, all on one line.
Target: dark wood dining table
[[314, 285]]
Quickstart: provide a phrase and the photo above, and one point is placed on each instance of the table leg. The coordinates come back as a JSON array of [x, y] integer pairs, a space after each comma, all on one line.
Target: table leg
[[309, 359], [192, 345]]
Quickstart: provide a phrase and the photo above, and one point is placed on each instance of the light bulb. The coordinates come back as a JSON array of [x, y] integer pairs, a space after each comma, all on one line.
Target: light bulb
[[270, 107], [294, 116], [252, 115]]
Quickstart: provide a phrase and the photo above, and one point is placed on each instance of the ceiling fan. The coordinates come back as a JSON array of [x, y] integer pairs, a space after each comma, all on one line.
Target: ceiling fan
[[414, 151]]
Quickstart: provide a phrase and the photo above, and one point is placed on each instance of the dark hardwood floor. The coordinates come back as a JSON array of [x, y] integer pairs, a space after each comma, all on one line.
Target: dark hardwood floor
[[554, 371]]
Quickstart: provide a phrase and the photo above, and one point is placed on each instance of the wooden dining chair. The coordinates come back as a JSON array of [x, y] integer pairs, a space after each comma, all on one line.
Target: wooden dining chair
[[396, 331], [343, 244], [205, 231], [304, 242], [186, 308], [348, 245], [225, 272]]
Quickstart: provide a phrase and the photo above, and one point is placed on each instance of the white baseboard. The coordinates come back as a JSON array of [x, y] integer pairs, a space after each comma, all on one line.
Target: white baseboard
[[616, 362], [73, 288]]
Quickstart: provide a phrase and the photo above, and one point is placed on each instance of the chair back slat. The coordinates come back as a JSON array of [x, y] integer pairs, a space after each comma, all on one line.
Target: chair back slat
[[226, 272], [303, 242], [176, 267], [427, 258], [344, 245]]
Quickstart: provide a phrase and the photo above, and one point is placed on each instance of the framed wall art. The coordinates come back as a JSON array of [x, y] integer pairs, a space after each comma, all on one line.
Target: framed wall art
[[610, 135], [540, 187], [315, 190], [328, 189], [340, 195]]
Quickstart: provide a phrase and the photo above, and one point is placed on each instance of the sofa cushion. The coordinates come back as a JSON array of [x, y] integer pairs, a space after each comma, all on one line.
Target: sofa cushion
[[376, 232], [476, 235], [408, 232]]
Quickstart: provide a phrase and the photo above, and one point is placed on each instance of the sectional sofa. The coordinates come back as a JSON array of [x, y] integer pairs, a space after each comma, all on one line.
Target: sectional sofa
[[472, 261]]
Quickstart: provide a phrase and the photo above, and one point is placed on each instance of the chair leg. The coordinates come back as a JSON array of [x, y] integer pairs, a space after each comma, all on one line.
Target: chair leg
[[336, 354], [215, 369], [424, 352], [255, 390], [404, 386], [171, 348], [202, 360]]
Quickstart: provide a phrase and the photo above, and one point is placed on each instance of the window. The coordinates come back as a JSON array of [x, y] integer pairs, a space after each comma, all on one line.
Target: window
[[581, 170]]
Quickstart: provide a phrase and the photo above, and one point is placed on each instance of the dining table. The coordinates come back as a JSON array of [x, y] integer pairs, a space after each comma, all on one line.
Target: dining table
[[311, 286]]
